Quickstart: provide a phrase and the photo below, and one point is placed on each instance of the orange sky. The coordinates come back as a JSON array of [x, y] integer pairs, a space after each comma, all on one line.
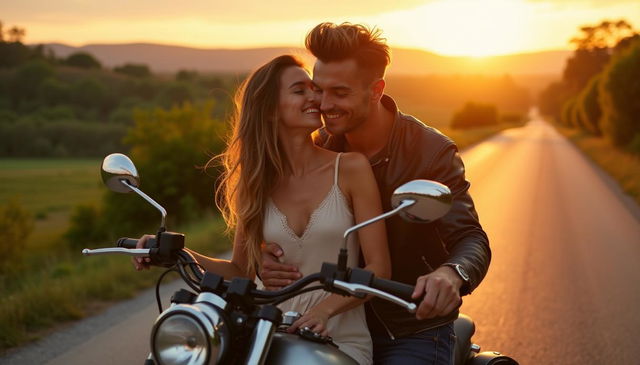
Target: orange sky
[[450, 27]]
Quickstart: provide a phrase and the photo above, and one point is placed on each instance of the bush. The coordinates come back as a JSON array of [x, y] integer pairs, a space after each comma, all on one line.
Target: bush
[[589, 107], [475, 115], [619, 96], [15, 226], [82, 60], [566, 116], [85, 227], [135, 70], [167, 148], [89, 93], [25, 84], [54, 92]]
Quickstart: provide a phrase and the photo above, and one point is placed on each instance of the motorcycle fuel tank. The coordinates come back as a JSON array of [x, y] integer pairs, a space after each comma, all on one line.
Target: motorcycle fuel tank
[[290, 349]]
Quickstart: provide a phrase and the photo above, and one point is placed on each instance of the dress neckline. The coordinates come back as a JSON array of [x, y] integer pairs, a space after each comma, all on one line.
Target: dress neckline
[[312, 216]]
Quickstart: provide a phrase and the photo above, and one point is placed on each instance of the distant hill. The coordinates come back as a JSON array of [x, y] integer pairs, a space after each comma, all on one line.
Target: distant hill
[[167, 58]]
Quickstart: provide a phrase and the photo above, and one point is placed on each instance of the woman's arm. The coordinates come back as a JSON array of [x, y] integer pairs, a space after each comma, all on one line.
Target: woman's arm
[[236, 267], [359, 186]]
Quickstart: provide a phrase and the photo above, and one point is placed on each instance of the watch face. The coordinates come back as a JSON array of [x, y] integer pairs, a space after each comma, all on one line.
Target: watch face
[[462, 273]]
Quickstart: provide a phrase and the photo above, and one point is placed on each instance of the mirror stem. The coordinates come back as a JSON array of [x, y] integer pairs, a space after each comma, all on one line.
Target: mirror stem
[[342, 258], [151, 201]]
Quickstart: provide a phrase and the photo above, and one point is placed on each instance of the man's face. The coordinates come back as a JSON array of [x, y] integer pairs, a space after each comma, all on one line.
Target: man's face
[[343, 95]]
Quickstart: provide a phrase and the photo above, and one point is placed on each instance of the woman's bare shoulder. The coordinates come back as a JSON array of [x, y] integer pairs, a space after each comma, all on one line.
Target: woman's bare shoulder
[[354, 161]]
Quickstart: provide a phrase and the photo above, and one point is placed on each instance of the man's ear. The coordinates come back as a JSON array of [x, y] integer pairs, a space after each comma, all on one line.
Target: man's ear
[[377, 90]]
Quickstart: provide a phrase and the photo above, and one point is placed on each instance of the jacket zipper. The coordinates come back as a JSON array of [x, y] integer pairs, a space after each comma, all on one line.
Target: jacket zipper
[[383, 324], [427, 264]]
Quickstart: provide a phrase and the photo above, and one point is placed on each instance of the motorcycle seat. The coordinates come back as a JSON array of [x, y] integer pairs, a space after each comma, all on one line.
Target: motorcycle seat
[[464, 329]]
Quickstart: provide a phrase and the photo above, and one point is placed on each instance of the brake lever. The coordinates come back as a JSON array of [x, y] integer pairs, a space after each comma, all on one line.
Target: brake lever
[[359, 288], [134, 252]]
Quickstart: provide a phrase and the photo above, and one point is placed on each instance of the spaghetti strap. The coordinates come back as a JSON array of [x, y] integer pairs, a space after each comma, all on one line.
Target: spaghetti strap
[[335, 174]]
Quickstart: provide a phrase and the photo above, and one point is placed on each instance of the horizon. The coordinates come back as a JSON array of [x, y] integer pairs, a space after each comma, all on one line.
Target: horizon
[[240, 48], [451, 28]]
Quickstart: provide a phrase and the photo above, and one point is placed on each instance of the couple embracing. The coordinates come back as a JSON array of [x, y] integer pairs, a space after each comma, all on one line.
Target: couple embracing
[[292, 184]]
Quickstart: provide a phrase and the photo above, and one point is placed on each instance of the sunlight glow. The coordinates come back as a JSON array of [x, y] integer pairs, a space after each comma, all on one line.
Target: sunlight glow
[[464, 28]]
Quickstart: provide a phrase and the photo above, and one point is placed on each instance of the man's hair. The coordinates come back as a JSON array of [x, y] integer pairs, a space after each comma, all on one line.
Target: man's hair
[[330, 42]]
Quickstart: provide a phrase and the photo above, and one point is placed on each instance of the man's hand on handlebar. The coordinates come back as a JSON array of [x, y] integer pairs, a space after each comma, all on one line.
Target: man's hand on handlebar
[[274, 274], [441, 290], [142, 263]]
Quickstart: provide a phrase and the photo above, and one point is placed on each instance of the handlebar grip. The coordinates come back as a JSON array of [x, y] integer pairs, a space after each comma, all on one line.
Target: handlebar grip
[[400, 290], [126, 242]]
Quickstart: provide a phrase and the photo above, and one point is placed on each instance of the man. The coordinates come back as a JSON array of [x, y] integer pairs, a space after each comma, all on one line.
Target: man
[[445, 259]]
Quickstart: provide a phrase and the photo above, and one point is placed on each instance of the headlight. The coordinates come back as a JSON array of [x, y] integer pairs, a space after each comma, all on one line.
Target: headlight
[[190, 334], [180, 339]]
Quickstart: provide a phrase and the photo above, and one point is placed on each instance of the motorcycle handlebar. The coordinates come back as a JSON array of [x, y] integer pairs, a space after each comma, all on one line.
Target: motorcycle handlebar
[[126, 242], [400, 290]]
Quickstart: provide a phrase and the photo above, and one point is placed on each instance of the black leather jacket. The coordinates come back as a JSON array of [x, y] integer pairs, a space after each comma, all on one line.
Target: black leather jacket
[[417, 151]]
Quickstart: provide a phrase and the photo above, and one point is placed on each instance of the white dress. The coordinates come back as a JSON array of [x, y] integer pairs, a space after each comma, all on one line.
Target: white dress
[[321, 242]]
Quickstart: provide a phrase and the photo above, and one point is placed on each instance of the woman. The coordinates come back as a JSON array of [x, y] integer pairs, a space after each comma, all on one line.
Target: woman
[[277, 186]]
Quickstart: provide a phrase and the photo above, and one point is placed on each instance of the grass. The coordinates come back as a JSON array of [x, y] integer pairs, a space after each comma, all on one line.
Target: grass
[[65, 289], [50, 189], [623, 166]]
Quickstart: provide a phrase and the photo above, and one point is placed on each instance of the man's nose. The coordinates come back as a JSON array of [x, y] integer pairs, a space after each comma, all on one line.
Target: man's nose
[[325, 103]]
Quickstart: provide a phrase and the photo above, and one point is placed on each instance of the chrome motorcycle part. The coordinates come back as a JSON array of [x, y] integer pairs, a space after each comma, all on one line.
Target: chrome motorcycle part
[[260, 342], [119, 174], [433, 200], [117, 167], [359, 288], [190, 334], [134, 252]]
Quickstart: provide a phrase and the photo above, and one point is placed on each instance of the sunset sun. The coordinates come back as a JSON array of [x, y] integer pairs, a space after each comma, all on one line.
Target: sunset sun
[[466, 28]]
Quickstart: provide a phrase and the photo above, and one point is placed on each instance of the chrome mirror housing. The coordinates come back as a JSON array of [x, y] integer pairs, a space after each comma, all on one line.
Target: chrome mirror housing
[[117, 167], [432, 200]]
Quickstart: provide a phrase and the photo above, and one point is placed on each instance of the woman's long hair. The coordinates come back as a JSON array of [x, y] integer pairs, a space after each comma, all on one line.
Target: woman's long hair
[[253, 161]]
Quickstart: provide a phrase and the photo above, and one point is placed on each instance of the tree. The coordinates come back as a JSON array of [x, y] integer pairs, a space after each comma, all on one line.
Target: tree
[[604, 35], [89, 93], [82, 60], [552, 99], [135, 70], [85, 227], [475, 115], [167, 147], [175, 93], [589, 106], [619, 96], [566, 116], [26, 82], [593, 50], [16, 34]]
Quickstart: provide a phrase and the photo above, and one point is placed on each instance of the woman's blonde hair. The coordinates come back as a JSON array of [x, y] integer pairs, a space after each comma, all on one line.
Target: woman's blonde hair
[[253, 160]]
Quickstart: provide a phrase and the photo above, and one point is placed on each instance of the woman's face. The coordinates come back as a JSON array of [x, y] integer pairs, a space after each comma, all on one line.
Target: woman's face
[[296, 105]]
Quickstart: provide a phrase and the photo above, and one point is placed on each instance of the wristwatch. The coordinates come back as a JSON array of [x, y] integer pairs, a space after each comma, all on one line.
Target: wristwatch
[[461, 272]]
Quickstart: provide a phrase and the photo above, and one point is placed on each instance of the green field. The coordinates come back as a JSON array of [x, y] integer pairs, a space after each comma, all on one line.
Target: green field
[[49, 283], [50, 189]]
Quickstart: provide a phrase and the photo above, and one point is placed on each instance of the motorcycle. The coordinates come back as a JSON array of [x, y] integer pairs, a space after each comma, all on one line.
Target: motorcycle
[[232, 322]]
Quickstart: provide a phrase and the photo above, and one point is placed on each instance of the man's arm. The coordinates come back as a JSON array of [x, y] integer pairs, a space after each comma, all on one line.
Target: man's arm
[[464, 237], [460, 229]]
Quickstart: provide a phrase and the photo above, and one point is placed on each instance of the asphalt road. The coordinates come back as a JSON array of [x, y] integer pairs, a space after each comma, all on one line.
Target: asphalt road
[[564, 282]]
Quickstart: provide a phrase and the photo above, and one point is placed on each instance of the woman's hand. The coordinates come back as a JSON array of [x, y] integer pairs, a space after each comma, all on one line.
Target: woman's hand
[[315, 319], [142, 263]]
